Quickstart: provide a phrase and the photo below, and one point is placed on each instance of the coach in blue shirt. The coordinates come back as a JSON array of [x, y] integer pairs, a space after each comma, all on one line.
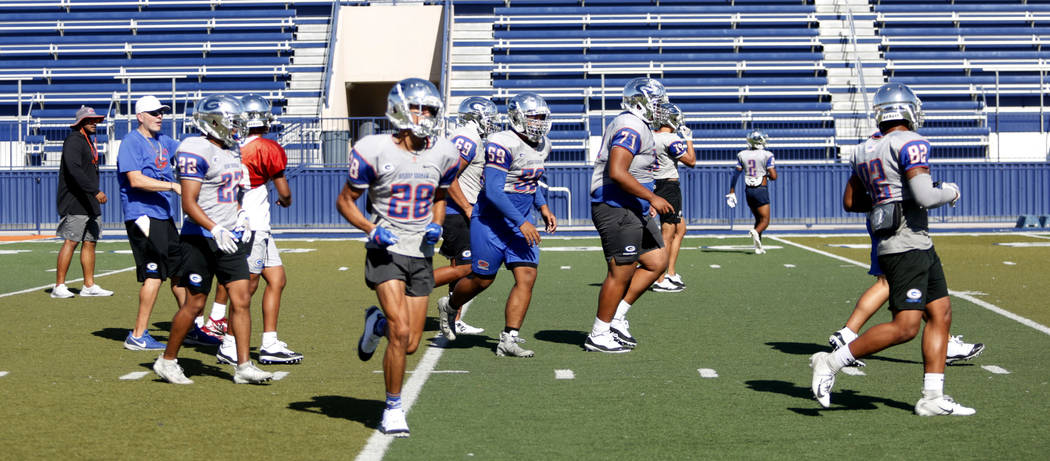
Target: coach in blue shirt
[[148, 190]]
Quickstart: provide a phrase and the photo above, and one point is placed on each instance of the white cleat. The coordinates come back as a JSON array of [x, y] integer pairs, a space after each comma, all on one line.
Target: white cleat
[[604, 342], [248, 373], [95, 290], [170, 371], [508, 347], [757, 241], [278, 352], [620, 329], [823, 378], [61, 291], [463, 328], [394, 423], [941, 406], [666, 286], [446, 318], [958, 350]]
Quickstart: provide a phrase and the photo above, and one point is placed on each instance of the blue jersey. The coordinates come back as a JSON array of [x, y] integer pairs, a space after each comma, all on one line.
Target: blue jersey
[[507, 154], [153, 157]]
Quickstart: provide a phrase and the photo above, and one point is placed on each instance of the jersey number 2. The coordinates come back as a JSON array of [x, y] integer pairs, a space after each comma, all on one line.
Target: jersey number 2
[[406, 203]]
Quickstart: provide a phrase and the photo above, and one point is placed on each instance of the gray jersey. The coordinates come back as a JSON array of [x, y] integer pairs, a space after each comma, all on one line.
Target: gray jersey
[[669, 148], [881, 164], [220, 173], [469, 143], [401, 186], [632, 133], [755, 163]]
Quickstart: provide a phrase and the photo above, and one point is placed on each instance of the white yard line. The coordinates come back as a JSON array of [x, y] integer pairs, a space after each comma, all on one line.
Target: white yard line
[[28, 290], [958, 294]]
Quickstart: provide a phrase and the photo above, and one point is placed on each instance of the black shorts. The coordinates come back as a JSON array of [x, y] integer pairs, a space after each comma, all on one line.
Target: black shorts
[[158, 256], [625, 234], [915, 278], [670, 190], [417, 273], [757, 196], [455, 237], [204, 260]]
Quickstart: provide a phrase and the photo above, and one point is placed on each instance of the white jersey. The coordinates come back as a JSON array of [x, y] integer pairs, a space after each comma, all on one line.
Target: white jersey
[[401, 186], [882, 164], [632, 133], [469, 144], [669, 148], [221, 176], [755, 163], [523, 163]]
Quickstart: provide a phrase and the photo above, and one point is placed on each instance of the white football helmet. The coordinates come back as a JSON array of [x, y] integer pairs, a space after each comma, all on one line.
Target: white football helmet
[[221, 117], [415, 93], [257, 111], [642, 96], [670, 115], [529, 115], [482, 112], [894, 101], [756, 139]]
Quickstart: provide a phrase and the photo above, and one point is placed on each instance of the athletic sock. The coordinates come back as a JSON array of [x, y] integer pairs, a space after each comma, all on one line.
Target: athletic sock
[[847, 335], [621, 310], [932, 385], [218, 311], [380, 327], [393, 401], [599, 327], [840, 358], [199, 321], [268, 338]]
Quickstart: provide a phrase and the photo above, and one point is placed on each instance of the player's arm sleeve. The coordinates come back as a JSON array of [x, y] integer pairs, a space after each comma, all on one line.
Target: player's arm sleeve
[[495, 179], [361, 173], [926, 195], [734, 177], [540, 197]]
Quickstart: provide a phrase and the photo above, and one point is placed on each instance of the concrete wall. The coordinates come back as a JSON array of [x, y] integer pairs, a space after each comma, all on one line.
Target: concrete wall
[[384, 43]]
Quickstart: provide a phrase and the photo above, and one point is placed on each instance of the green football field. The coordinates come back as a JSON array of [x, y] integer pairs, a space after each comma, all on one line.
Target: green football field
[[721, 370]]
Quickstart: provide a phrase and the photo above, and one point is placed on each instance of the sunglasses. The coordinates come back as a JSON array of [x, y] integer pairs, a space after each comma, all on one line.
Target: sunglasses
[[156, 113]]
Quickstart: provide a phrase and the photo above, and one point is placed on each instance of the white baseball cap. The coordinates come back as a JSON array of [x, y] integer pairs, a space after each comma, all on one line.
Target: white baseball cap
[[149, 103]]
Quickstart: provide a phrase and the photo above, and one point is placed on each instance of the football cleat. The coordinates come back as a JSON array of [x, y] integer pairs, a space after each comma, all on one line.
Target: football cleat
[[198, 337], [941, 406], [958, 350], [620, 329], [216, 328], [394, 423], [170, 371], [369, 340], [227, 353], [508, 346], [604, 343], [675, 279], [278, 352], [446, 318], [248, 373], [823, 378], [757, 240], [666, 286], [462, 328]]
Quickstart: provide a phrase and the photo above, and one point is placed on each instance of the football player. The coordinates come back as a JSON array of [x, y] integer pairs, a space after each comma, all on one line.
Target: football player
[[407, 176], [893, 167], [674, 143], [477, 120], [214, 236], [501, 230], [621, 195], [757, 165]]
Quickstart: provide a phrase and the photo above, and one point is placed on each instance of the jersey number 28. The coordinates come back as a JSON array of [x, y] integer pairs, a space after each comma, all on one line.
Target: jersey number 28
[[407, 202]]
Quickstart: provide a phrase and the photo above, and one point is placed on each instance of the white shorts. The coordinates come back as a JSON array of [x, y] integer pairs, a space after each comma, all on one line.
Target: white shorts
[[264, 253]]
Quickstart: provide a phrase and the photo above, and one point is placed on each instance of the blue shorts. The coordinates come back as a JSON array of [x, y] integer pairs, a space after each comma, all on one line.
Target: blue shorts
[[757, 196], [492, 244]]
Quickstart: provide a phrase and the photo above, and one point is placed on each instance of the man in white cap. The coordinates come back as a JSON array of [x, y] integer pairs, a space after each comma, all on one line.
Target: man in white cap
[[79, 201], [148, 190]]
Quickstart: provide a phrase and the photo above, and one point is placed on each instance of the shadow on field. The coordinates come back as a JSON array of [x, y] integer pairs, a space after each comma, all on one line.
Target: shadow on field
[[840, 399], [464, 342], [810, 349], [116, 334], [574, 337], [195, 368], [366, 412]]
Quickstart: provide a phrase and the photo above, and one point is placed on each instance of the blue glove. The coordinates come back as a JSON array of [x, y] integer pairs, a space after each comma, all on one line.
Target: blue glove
[[433, 234], [382, 237]]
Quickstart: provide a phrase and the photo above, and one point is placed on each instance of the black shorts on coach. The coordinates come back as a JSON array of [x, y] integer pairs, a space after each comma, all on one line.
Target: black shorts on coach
[[158, 256], [204, 260]]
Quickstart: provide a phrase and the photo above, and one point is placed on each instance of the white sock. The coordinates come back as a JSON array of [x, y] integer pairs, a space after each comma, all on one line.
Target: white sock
[[199, 321], [599, 327], [621, 310], [840, 358], [268, 338], [847, 334], [218, 311], [932, 385]]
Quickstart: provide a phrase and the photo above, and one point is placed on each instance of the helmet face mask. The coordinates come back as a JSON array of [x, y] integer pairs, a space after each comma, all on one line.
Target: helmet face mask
[[756, 139], [221, 117], [415, 104], [642, 96], [894, 101], [529, 115], [669, 115], [480, 111], [257, 111]]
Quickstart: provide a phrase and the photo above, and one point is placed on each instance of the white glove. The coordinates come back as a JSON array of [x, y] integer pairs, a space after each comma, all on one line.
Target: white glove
[[731, 200], [241, 226], [954, 187], [685, 132], [224, 239]]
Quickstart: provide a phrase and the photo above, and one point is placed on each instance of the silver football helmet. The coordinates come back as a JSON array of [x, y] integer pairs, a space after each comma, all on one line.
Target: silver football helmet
[[415, 93], [482, 112], [529, 115], [221, 117], [756, 139], [894, 101], [642, 96], [257, 111], [670, 115]]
